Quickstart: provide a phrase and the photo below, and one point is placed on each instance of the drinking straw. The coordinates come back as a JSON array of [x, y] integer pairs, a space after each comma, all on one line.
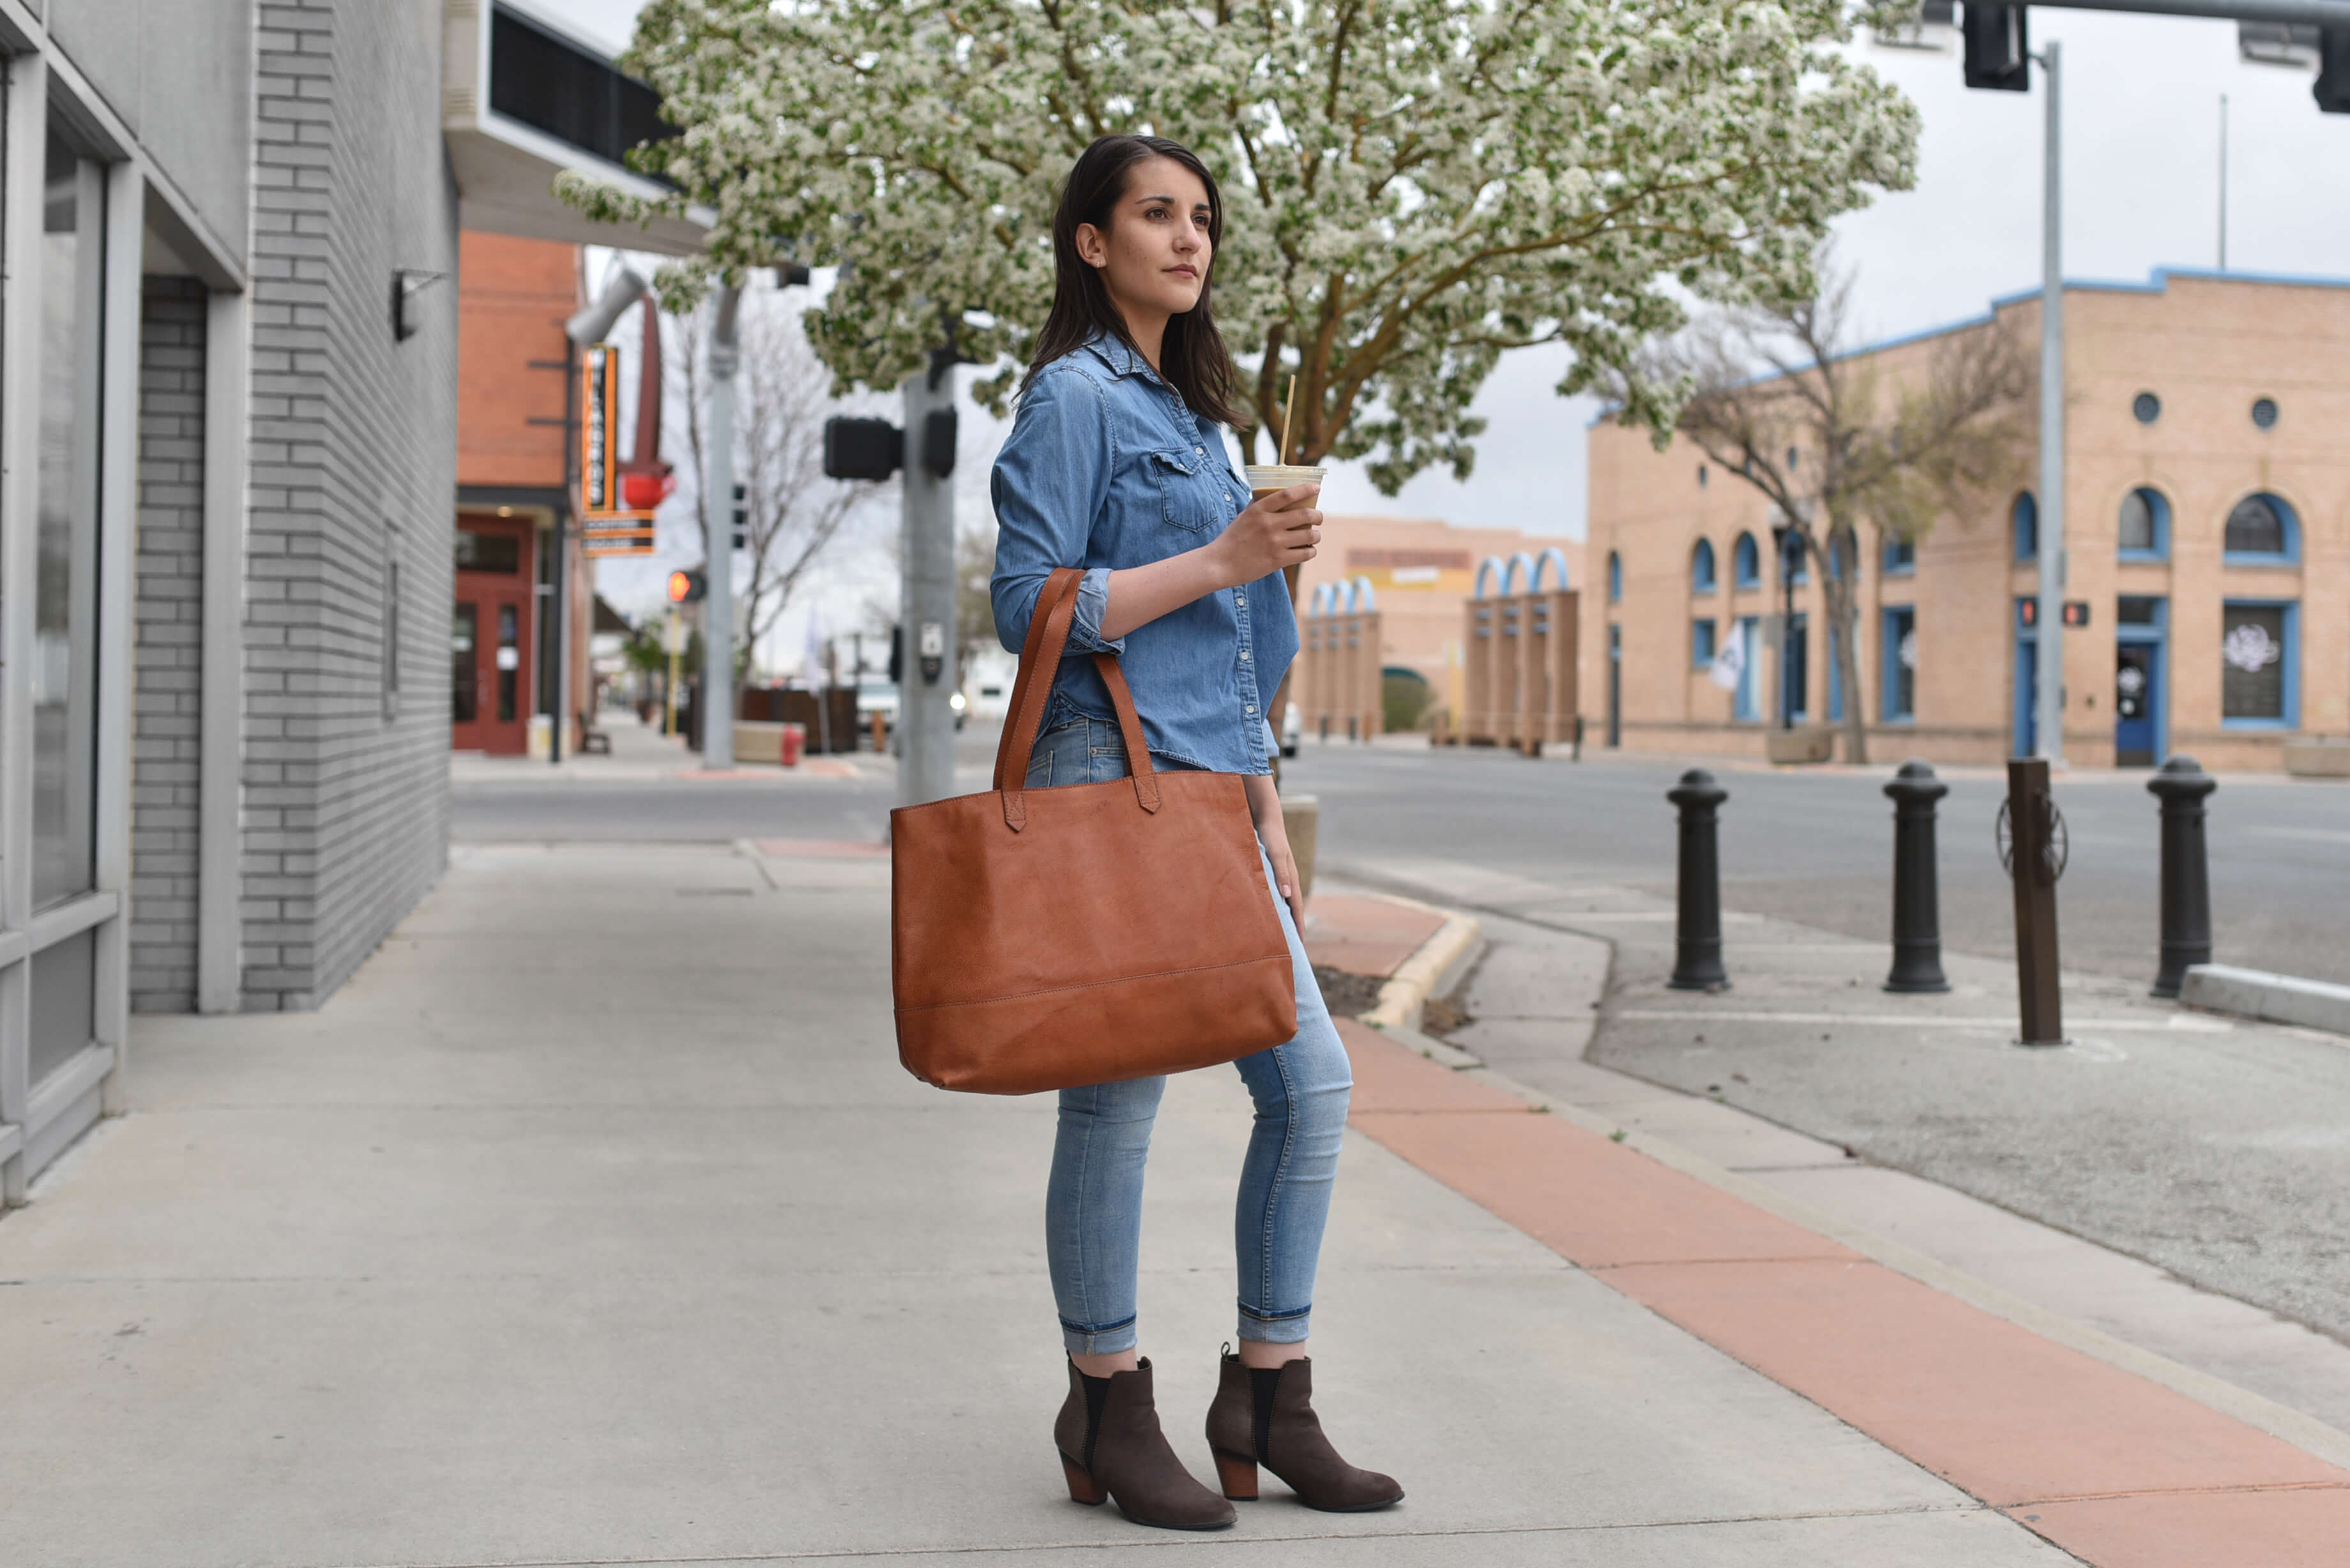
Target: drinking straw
[[1288, 409]]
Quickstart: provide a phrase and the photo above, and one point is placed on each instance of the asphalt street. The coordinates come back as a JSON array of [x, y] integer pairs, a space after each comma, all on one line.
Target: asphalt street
[[1817, 848], [1813, 848]]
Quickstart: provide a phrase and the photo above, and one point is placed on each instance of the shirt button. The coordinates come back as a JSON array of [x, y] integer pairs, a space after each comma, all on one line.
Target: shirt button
[[1252, 707]]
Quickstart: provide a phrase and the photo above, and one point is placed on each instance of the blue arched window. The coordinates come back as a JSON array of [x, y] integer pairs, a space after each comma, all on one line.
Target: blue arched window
[[1615, 577], [2023, 521], [1745, 563], [2142, 531], [2262, 531], [1701, 578]]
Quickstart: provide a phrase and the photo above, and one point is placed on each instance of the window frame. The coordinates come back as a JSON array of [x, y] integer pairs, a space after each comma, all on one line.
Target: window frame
[[1614, 577], [1705, 640], [2160, 506], [2288, 518], [2025, 504], [1905, 565], [1745, 562], [1889, 682], [1704, 576], [2288, 681]]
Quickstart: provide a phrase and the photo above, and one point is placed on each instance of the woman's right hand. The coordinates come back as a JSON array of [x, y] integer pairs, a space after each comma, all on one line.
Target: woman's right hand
[[1276, 532]]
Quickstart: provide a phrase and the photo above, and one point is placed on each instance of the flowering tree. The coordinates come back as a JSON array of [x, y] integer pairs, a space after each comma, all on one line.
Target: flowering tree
[[1412, 186]]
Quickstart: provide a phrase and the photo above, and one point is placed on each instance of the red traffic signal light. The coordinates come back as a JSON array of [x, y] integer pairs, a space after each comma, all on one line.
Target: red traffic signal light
[[686, 587]]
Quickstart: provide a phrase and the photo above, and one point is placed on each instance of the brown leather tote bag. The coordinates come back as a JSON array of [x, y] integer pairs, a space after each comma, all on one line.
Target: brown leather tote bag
[[1044, 938]]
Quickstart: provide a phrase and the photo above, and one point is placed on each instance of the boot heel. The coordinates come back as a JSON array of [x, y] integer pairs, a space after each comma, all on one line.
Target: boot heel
[[1237, 1476], [1082, 1487]]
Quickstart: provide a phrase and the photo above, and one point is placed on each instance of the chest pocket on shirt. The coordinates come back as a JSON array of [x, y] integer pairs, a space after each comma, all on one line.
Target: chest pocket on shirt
[[1191, 489]]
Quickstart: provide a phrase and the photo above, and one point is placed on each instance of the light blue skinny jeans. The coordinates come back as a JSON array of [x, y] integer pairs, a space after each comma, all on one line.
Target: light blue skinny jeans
[[1093, 1203]]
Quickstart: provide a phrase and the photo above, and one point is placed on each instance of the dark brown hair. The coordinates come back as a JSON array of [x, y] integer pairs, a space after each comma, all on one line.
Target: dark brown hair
[[1192, 357]]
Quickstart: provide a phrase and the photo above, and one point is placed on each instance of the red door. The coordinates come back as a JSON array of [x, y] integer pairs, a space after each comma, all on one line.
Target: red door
[[490, 637]]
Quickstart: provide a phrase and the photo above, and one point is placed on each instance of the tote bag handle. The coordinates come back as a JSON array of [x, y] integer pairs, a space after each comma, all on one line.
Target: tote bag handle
[[1040, 662]]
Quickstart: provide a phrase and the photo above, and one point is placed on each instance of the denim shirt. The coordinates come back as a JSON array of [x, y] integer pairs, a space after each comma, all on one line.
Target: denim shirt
[[1107, 469]]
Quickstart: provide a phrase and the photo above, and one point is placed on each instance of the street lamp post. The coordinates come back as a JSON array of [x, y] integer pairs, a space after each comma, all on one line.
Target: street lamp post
[[2048, 698], [718, 536]]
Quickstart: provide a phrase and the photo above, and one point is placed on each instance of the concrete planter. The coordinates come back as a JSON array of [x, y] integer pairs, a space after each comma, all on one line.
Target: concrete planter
[[1301, 815], [1811, 744], [2316, 757], [757, 741]]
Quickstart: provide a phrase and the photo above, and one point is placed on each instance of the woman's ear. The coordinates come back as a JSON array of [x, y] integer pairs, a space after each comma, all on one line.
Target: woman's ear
[[1092, 249]]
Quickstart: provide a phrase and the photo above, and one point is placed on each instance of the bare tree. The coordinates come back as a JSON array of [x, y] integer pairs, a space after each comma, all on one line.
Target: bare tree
[[783, 397], [1777, 398]]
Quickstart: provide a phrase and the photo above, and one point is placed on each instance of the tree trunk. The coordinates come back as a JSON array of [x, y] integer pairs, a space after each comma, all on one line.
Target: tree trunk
[[1844, 616]]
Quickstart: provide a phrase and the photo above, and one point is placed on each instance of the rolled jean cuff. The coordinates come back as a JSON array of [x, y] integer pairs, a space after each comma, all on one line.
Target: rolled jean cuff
[[1107, 1340], [1275, 1328]]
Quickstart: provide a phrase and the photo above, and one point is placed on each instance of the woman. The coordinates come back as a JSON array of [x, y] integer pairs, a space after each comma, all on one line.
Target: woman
[[1115, 465]]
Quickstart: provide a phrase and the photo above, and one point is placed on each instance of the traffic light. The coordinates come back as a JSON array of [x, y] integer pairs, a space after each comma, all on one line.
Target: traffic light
[[742, 519], [1998, 49], [2332, 88], [862, 449], [687, 588]]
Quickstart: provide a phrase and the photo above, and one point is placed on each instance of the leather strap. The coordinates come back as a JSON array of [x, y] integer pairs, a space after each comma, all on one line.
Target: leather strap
[[1063, 580], [1040, 662]]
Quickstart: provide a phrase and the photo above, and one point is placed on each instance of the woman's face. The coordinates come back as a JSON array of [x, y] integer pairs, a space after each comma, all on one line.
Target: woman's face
[[1154, 259]]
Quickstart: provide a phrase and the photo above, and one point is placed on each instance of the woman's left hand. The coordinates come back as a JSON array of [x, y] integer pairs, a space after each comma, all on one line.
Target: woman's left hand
[[1285, 874]]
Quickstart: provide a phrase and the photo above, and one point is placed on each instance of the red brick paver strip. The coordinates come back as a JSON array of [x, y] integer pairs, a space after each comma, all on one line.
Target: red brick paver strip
[[1366, 936], [2117, 1470], [819, 848]]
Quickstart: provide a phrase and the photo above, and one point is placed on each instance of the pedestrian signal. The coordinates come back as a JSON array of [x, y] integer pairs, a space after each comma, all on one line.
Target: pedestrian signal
[[687, 588]]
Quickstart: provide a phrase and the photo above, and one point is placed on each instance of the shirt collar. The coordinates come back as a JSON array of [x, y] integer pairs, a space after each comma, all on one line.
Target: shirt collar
[[1119, 356]]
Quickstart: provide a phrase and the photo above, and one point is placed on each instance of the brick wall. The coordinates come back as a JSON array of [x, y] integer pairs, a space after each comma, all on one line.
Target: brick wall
[[169, 657], [354, 435]]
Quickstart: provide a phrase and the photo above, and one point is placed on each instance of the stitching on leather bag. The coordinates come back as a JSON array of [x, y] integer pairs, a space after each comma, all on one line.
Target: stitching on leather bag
[[1097, 984]]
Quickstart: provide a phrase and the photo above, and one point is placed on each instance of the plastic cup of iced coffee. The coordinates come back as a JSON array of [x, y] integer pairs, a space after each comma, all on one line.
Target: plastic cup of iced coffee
[[1264, 477]]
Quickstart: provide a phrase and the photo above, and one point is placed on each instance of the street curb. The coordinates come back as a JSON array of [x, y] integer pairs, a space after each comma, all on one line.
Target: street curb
[[2304, 1432], [2276, 998], [1406, 991]]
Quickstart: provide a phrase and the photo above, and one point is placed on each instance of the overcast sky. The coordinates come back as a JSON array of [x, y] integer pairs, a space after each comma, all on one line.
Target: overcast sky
[[2142, 177]]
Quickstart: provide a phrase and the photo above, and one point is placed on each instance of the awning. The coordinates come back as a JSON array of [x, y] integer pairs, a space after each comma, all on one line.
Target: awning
[[524, 100]]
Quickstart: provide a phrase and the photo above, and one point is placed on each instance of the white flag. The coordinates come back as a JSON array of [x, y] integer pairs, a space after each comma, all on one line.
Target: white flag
[[1730, 659]]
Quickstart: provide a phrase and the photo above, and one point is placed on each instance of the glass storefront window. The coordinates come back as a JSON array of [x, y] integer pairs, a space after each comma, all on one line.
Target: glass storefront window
[[65, 615], [65, 996], [2256, 663]]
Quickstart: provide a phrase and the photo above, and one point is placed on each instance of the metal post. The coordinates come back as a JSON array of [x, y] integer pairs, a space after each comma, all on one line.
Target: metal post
[[1917, 887], [2181, 786], [1697, 955], [716, 709], [2048, 704], [2036, 860], [926, 687]]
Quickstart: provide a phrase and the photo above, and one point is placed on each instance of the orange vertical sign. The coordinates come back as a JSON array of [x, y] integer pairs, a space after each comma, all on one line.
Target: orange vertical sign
[[608, 528]]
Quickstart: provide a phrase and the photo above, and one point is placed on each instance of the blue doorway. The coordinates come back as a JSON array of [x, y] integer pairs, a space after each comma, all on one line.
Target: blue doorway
[[2140, 704]]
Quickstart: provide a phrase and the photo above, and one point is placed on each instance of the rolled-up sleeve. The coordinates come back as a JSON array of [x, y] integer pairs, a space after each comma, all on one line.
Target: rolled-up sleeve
[[1051, 480]]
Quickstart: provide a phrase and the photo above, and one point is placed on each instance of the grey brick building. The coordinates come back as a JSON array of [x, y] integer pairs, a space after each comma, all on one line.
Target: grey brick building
[[228, 235]]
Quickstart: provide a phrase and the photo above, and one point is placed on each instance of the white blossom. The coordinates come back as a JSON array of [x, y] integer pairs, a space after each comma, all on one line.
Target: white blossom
[[1412, 187]]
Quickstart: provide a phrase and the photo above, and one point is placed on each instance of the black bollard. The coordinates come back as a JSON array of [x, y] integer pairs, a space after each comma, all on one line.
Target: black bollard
[[2182, 785], [1697, 957], [1917, 891]]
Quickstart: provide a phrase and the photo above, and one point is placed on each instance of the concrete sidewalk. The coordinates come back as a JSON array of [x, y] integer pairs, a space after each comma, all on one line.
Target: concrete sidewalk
[[595, 1223]]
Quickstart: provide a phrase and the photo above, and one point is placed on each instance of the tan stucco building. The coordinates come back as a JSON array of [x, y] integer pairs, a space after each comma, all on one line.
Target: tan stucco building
[[1420, 572], [2207, 535]]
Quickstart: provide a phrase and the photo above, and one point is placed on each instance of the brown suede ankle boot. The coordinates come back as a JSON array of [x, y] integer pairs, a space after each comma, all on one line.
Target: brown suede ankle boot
[[1111, 1445], [1265, 1417]]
